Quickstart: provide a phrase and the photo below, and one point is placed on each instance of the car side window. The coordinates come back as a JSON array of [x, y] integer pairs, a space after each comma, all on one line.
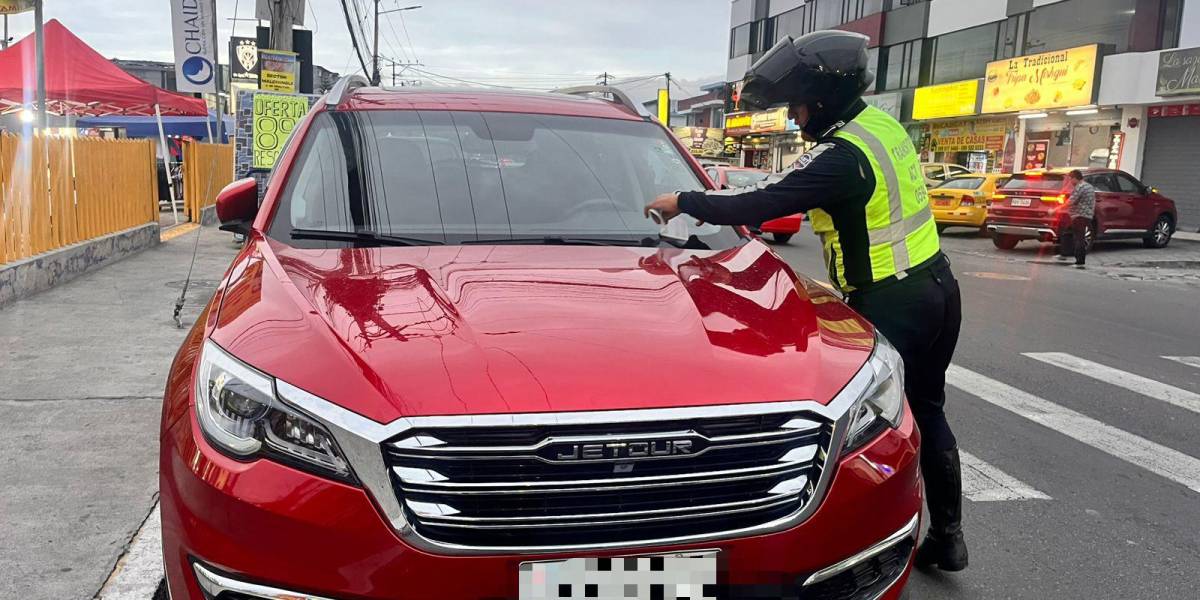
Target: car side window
[[1127, 185], [934, 172], [956, 171], [712, 174], [1102, 182]]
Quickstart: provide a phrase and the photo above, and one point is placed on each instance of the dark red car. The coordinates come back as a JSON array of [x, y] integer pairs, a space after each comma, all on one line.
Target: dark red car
[[1032, 205], [781, 229], [454, 361]]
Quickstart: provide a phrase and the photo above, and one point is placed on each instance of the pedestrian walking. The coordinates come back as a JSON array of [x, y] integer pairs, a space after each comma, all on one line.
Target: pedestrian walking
[[1081, 207], [862, 189]]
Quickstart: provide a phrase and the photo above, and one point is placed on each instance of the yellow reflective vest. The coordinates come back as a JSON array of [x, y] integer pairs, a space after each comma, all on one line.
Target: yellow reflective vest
[[900, 227]]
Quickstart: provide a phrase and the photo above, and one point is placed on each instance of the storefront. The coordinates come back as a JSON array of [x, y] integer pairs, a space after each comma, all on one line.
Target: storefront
[[1172, 131], [704, 142], [1053, 97], [952, 132], [766, 139]]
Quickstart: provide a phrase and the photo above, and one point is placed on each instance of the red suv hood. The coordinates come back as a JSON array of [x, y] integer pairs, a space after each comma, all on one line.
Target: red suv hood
[[391, 332]]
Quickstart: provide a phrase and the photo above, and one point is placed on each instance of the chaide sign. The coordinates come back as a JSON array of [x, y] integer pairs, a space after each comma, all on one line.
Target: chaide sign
[[1058, 79]]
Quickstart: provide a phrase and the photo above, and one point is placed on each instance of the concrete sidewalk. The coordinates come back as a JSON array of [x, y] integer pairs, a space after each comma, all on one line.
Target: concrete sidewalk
[[83, 368]]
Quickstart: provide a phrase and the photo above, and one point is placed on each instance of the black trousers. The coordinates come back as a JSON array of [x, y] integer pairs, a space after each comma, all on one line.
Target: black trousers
[[1075, 240], [920, 315]]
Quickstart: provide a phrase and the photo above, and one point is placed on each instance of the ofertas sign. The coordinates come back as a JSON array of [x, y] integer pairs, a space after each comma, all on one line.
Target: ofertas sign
[[195, 51], [954, 99], [1057, 79], [1178, 72], [275, 116]]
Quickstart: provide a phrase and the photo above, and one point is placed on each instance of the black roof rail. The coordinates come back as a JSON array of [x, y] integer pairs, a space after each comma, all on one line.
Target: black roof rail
[[619, 96]]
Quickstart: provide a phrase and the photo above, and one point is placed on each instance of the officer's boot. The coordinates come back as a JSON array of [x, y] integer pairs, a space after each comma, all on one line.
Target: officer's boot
[[943, 545]]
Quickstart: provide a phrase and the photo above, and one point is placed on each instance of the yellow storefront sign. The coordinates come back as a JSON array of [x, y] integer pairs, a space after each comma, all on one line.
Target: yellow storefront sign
[[769, 121], [737, 124], [954, 99], [1056, 79], [702, 141], [12, 7], [275, 116]]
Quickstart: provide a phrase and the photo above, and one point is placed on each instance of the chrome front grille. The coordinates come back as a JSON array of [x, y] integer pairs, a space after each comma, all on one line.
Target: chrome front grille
[[603, 483]]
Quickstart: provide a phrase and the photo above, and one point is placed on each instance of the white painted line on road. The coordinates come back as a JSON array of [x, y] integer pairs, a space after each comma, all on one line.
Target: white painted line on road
[[1136, 383], [1191, 361], [138, 573], [981, 482], [1156, 458]]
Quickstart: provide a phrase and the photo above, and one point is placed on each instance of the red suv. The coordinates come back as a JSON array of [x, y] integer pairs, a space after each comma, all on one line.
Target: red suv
[[1032, 205], [455, 361]]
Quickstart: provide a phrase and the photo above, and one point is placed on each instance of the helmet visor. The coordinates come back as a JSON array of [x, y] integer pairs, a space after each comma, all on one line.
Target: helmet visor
[[762, 86]]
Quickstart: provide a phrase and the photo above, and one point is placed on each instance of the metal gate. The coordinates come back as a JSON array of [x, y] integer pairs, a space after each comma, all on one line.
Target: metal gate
[[1169, 164]]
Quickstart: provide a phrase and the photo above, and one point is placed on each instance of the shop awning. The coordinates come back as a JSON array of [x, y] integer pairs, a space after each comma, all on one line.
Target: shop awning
[[81, 82]]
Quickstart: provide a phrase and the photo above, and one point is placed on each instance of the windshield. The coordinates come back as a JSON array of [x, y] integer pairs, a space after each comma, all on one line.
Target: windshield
[[961, 183], [739, 179], [1039, 183], [455, 177]]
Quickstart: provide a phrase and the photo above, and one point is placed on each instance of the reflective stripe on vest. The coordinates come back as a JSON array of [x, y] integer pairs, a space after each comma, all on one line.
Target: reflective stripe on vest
[[896, 241]]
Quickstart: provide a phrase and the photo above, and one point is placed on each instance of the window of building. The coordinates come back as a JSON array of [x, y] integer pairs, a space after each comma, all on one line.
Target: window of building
[[1171, 17], [827, 14], [964, 54], [856, 9], [873, 65], [1079, 23], [901, 65], [790, 23], [739, 41], [1009, 42]]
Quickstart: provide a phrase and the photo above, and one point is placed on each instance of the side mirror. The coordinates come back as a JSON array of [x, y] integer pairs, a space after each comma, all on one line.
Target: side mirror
[[237, 205]]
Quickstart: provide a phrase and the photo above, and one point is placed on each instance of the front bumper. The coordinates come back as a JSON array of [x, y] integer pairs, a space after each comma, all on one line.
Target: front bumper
[[268, 525]]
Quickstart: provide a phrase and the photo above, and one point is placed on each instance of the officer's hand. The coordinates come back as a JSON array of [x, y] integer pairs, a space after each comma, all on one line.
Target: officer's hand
[[667, 204]]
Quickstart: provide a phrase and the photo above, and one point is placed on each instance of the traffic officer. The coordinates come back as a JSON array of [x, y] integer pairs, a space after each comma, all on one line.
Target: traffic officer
[[862, 189]]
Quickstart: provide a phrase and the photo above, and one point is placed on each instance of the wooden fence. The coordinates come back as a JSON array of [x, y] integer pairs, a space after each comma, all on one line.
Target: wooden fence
[[56, 191], [207, 168]]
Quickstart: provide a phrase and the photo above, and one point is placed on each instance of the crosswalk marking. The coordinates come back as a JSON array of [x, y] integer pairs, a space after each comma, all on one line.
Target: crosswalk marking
[[1142, 385], [1156, 458], [981, 482], [1191, 361]]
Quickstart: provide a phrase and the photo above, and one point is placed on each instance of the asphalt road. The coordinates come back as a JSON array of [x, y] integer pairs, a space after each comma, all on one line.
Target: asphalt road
[[1111, 527], [1079, 487]]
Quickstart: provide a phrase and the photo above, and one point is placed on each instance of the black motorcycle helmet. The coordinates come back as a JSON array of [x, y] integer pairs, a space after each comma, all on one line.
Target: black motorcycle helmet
[[825, 70]]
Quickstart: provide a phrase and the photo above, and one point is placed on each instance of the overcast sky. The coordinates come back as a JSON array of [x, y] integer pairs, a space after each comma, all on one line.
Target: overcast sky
[[534, 43]]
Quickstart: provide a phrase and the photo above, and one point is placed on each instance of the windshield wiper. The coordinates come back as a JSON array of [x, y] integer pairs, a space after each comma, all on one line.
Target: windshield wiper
[[363, 236], [558, 240]]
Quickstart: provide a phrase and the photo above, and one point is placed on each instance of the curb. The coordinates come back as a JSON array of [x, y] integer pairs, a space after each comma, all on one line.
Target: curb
[[29, 276]]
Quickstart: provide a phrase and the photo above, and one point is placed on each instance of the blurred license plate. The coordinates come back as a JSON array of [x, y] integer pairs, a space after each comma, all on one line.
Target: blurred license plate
[[1019, 201], [691, 575], [941, 202]]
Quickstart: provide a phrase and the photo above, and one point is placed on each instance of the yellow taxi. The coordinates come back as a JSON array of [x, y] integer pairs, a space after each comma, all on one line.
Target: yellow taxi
[[961, 201]]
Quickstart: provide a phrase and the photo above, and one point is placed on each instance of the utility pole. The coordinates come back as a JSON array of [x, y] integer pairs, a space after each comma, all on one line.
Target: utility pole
[[40, 51], [4, 41], [375, 61], [375, 76], [220, 80], [604, 77]]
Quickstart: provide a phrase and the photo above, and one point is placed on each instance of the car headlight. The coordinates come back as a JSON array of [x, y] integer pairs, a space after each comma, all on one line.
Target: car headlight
[[241, 415], [882, 404]]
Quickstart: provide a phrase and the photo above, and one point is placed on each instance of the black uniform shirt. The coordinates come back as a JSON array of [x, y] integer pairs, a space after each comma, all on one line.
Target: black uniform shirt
[[835, 176]]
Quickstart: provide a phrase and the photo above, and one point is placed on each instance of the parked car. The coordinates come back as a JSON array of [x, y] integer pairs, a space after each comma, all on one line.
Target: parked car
[[433, 375], [781, 229], [962, 200], [1032, 206], [935, 173]]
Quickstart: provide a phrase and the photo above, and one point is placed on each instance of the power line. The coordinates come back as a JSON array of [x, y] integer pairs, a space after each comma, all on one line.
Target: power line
[[404, 26], [353, 38]]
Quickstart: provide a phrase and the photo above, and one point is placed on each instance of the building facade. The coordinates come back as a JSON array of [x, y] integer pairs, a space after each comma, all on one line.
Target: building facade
[[1007, 85]]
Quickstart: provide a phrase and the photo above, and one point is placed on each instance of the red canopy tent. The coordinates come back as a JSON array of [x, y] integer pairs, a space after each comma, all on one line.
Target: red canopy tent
[[81, 82]]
